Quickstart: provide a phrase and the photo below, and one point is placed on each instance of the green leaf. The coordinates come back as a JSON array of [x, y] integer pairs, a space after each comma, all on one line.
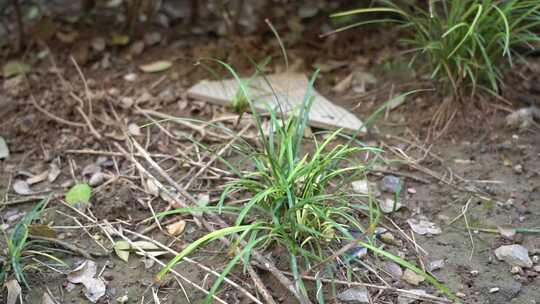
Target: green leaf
[[119, 39], [15, 67], [79, 193], [156, 66]]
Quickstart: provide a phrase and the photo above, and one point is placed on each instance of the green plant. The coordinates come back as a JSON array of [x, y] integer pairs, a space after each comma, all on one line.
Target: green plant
[[297, 201], [20, 249], [464, 41]]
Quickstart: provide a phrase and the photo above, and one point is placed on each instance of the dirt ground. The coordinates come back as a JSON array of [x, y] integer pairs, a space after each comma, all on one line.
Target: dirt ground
[[478, 174]]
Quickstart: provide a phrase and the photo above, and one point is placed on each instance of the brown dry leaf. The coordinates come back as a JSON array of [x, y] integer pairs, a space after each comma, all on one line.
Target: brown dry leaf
[[41, 230], [177, 228]]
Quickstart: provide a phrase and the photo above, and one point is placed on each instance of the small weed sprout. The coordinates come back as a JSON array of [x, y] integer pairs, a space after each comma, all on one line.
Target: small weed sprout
[[464, 41]]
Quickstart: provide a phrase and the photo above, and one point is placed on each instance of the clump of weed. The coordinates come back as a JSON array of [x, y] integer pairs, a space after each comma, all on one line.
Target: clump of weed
[[464, 42], [21, 252], [297, 201]]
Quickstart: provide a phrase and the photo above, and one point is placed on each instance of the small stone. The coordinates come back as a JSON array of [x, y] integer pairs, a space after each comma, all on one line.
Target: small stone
[[515, 270], [126, 102], [412, 278], [393, 270], [99, 44], [460, 295], [535, 259], [518, 169], [515, 255], [411, 190], [122, 299], [411, 296], [494, 289], [360, 186], [167, 96], [131, 77], [137, 48], [537, 268], [388, 205], [152, 38], [391, 184], [134, 129], [358, 294], [437, 264], [507, 233], [96, 179], [474, 272]]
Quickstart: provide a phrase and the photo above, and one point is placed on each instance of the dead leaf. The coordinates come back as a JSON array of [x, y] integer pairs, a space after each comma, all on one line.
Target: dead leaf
[[152, 187], [38, 178], [156, 66], [84, 274], [119, 39], [4, 150], [343, 85], [14, 291], [123, 249], [22, 188], [67, 37], [177, 228], [91, 169], [423, 226], [47, 299], [41, 230], [507, 232], [14, 67], [54, 172]]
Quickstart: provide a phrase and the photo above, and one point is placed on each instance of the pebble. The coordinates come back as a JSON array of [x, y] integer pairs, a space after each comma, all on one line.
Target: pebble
[[412, 278], [518, 169], [474, 272], [515, 255], [358, 294], [130, 77], [535, 259], [360, 186], [394, 270], [97, 179], [537, 268], [494, 289], [437, 264], [410, 297], [515, 270], [411, 190], [391, 184], [460, 295], [388, 205]]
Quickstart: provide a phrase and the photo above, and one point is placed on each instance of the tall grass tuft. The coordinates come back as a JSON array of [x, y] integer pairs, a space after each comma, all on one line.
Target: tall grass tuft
[[464, 42], [297, 201]]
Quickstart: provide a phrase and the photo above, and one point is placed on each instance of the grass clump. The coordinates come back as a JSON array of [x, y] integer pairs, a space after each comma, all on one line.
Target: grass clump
[[297, 201], [20, 253], [464, 42]]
